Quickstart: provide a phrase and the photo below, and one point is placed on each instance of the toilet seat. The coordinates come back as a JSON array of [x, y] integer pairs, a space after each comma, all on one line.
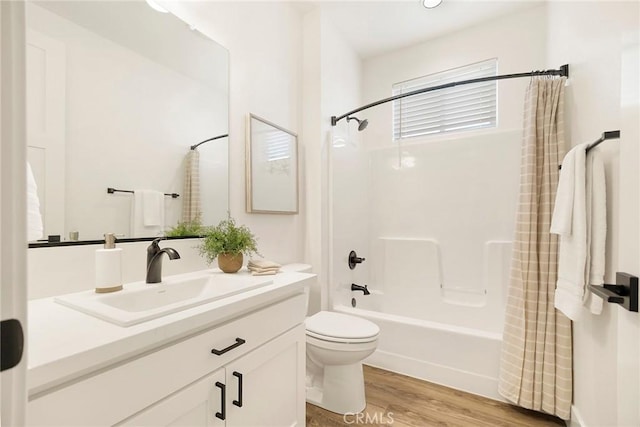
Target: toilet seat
[[341, 340], [341, 328]]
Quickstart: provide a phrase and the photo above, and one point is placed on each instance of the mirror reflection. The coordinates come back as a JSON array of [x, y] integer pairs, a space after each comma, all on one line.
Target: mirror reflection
[[117, 93]]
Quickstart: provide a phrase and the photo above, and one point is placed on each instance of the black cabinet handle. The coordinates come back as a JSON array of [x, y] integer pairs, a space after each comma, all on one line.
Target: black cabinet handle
[[239, 342], [222, 387], [238, 402]]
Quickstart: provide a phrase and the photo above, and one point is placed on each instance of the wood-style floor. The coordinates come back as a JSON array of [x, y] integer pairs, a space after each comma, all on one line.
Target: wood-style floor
[[400, 401]]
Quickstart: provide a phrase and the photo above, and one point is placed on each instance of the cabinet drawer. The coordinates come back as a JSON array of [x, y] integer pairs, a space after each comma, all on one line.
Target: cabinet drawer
[[116, 393]]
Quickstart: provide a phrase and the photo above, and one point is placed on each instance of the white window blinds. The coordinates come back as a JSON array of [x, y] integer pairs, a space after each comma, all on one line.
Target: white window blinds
[[464, 107]]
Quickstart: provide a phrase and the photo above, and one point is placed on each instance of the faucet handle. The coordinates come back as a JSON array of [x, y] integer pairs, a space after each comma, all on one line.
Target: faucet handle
[[354, 259]]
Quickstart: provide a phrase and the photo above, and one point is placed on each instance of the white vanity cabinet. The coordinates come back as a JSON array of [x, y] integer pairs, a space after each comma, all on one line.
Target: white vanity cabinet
[[260, 365], [261, 388]]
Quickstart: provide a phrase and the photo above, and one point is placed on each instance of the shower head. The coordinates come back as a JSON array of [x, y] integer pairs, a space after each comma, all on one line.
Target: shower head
[[362, 124]]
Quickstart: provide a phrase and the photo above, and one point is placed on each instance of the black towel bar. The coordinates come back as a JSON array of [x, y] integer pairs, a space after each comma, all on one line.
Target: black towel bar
[[112, 190], [624, 292]]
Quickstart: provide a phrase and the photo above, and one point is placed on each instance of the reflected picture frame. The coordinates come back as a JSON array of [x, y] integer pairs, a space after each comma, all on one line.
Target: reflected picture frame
[[272, 176]]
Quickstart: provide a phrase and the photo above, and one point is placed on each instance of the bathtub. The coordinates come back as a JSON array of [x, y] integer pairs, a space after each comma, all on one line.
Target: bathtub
[[440, 319], [463, 358]]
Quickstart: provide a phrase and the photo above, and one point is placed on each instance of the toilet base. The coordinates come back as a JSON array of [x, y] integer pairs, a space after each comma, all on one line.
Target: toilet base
[[342, 389]]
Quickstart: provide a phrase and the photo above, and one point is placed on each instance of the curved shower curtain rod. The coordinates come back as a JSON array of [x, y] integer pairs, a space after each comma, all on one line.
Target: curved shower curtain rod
[[563, 71], [193, 147]]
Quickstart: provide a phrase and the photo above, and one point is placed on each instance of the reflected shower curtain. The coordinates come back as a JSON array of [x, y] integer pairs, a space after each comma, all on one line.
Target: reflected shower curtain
[[536, 364], [191, 209]]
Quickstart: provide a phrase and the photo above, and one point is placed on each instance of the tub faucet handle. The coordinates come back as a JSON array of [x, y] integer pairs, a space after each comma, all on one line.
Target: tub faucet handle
[[354, 259]]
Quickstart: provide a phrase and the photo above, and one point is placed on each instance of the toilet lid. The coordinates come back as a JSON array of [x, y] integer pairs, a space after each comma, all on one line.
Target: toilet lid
[[338, 325]]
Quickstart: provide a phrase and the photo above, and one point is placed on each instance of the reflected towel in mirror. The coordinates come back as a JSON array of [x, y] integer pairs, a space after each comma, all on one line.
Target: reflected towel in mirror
[[191, 209], [147, 213]]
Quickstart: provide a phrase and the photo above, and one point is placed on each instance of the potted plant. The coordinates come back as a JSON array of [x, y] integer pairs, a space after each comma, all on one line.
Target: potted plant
[[228, 242]]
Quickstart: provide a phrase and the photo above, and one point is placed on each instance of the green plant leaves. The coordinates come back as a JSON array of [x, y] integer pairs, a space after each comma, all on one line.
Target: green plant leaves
[[227, 238]]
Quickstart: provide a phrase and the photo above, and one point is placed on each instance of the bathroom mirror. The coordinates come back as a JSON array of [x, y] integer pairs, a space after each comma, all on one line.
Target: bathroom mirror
[[272, 168], [117, 93]]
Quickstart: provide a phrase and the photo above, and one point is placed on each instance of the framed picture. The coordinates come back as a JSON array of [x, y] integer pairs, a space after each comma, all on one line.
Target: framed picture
[[272, 168]]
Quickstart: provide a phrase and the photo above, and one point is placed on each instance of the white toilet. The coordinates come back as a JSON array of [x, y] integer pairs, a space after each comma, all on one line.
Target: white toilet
[[336, 345]]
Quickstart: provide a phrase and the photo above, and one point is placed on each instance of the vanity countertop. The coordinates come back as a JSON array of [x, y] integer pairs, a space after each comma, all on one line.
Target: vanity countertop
[[65, 344]]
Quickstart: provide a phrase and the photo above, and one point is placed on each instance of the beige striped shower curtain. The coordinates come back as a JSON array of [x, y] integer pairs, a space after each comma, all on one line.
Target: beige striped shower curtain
[[536, 365], [191, 209]]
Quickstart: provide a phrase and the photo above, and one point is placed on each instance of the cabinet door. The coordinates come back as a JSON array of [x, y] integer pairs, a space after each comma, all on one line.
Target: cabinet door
[[266, 386], [200, 404]]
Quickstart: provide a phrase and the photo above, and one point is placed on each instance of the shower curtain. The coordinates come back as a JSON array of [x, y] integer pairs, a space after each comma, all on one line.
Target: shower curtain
[[191, 209], [536, 364]]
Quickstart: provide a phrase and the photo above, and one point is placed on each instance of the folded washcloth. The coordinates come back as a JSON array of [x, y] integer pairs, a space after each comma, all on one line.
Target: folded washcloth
[[265, 273], [263, 270], [263, 263]]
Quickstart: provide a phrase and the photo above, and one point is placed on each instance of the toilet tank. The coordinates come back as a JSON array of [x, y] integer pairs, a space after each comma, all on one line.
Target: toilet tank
[[300, 268]]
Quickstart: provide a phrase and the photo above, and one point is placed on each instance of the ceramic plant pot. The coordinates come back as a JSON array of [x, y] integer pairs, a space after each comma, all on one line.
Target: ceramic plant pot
[[230, 263]]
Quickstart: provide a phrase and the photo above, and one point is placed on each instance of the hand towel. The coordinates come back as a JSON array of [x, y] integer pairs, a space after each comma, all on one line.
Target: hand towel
[[263, 263], [570, 222], [34, 218], [596, 228], [147, 208], [152, 207]]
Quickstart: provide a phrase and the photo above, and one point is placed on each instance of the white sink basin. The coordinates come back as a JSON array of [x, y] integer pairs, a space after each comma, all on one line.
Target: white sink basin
[[140, 301]]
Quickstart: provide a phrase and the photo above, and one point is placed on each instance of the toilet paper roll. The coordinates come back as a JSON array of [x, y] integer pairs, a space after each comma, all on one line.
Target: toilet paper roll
[[108, 268]]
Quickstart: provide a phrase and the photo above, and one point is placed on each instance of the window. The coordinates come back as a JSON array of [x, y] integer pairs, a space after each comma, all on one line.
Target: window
[[464, 107]]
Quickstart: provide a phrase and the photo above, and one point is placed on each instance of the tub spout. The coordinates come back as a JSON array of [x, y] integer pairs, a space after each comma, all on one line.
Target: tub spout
[[364, 289]]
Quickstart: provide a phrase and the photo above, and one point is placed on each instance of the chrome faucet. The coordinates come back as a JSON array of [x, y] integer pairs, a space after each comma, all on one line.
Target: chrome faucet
[[364, 289], [154, 260]]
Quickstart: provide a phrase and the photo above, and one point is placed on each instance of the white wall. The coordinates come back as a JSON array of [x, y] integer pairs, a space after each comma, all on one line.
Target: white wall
[[264, 41], [265, 45], [600, 42], [518, 41]]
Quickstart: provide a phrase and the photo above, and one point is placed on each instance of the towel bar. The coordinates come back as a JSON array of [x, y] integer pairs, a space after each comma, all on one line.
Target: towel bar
[[624, 292], [111, 190]]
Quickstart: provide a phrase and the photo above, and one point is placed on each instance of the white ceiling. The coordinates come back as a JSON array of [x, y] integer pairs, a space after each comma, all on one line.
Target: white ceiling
[[375, 27]]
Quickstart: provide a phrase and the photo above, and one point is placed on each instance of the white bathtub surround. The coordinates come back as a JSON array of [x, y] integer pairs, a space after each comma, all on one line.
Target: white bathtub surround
[[535, 364]]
